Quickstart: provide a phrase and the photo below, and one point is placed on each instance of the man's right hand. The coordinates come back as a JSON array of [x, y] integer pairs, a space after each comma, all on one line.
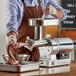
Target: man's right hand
[[12, 38], [12, 44]]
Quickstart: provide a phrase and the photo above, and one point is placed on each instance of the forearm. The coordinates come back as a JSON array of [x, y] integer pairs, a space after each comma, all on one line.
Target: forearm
[[12, 23], [59, 14], [50, 10], [12, 33]]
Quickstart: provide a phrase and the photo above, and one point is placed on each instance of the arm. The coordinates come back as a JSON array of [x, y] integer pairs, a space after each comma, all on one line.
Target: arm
[[12, 27], [50, 10], [59, 11], [12, 24]]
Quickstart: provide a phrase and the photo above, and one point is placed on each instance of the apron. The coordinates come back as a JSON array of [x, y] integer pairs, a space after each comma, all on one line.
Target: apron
[[26, 30]]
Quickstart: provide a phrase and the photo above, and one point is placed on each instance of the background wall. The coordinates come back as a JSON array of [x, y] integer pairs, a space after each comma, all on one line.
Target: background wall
[[2, 28]]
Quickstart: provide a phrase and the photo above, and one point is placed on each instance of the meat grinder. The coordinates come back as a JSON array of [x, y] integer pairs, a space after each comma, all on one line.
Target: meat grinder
[[57, 51]]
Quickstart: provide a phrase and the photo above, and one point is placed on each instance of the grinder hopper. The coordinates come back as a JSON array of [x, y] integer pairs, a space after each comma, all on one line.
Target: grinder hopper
[[38, 23]]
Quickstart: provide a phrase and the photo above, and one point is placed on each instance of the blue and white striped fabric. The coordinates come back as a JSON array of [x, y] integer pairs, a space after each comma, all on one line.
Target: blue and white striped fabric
[[15, 11]]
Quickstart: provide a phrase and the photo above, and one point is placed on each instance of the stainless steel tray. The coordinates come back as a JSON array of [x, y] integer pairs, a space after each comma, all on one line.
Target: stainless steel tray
[[28, 66]]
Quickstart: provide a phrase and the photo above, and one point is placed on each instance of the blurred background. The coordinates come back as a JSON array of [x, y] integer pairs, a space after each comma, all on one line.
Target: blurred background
[[3, 42], [3, 4]]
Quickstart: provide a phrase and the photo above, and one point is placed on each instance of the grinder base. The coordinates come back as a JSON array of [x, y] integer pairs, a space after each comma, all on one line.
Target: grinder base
[[54, 63]]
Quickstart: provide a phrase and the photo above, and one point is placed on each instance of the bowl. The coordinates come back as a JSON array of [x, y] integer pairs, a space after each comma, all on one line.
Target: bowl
[[22, 57], [19, 57]]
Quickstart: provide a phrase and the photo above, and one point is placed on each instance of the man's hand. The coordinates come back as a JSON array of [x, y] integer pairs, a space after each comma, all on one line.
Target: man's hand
[[12, 40], [50, 10], [11, 58], [12, 44]]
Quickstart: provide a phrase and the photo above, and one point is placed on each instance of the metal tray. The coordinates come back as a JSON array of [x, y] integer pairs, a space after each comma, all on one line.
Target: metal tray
[[28, 66]]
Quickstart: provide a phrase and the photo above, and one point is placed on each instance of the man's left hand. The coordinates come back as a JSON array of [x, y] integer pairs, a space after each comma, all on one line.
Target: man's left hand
[[50, 10]]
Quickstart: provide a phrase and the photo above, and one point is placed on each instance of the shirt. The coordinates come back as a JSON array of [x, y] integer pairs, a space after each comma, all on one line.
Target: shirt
[[15, 11]]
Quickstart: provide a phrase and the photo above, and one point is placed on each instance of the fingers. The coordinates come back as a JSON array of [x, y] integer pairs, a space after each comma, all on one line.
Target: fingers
[[13, 42], [48, 10], [17, 45], [12, 45], [11, 62], [9, 52], [12, 39], [11, 59]]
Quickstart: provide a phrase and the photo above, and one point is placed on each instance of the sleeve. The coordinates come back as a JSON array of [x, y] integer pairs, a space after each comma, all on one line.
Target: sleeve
[[57, 6], [12, 24]]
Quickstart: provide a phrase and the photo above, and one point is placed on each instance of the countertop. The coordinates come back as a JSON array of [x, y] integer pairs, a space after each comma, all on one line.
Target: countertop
[[68, 70]]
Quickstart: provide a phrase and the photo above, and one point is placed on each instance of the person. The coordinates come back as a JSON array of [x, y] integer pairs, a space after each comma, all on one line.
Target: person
[[18, 14]]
